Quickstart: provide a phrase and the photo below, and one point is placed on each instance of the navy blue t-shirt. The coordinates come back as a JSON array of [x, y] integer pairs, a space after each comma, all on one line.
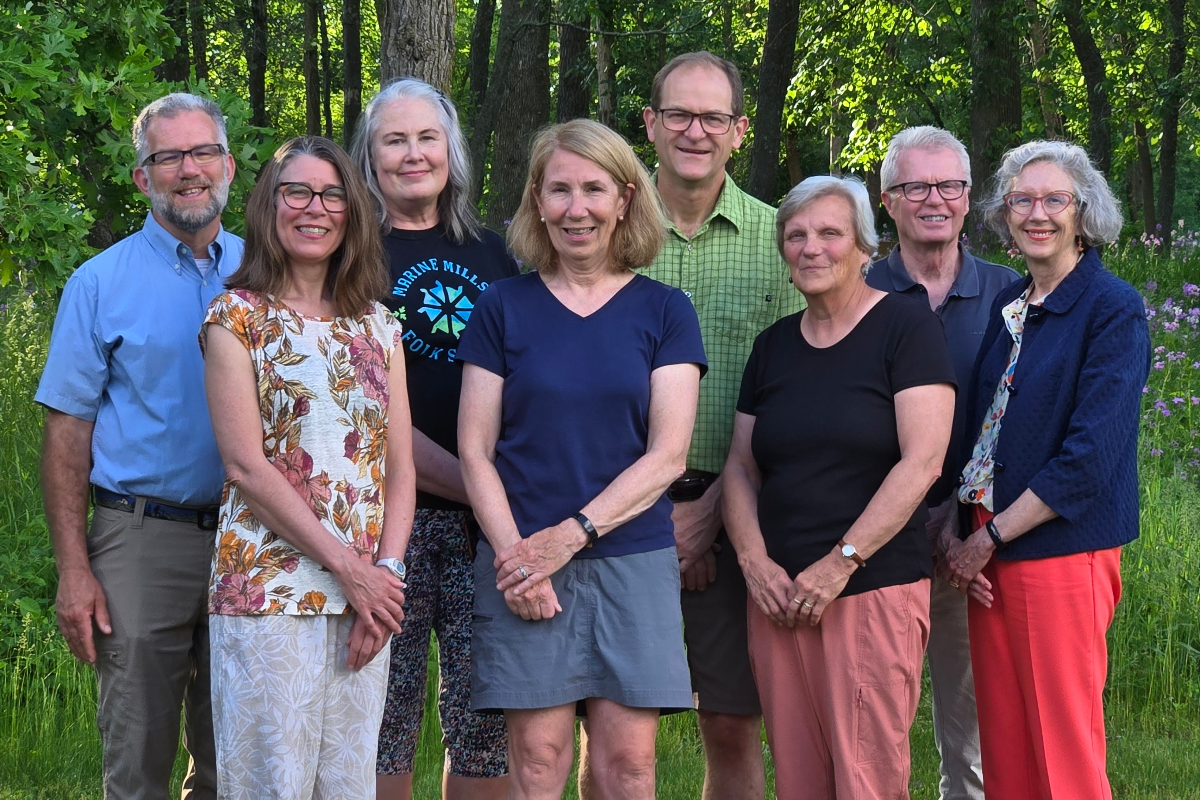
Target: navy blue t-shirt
[[576, 401]]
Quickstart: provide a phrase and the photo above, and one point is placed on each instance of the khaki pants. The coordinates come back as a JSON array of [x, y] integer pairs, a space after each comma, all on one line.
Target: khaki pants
[[293, 722], [155, 578], [955, 721], [838, 698]]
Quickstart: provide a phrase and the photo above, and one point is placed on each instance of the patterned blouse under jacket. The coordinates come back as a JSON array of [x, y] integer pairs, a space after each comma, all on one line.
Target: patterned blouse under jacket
[[323, 396]]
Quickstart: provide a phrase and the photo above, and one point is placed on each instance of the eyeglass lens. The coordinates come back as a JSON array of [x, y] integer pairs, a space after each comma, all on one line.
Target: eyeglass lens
[[675, 119], [204, 154], [947, 190], [1053, 203], [299, 195]]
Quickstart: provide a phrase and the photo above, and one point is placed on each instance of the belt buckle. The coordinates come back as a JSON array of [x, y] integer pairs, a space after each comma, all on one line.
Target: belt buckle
[[207, 520]]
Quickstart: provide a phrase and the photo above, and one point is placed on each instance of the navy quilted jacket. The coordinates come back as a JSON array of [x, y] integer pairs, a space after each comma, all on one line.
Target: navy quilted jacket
[[1070, 430]]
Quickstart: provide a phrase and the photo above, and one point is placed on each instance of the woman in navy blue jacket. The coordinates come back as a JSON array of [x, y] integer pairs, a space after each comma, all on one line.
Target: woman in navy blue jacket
[[1050, 487]]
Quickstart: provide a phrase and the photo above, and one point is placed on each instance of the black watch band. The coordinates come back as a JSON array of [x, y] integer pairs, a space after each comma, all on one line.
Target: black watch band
[[588, 528], [994, 535]]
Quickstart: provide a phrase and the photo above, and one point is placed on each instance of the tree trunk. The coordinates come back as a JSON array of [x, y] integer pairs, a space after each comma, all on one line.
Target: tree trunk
[[256, 62], [1091, 62], [605, 70], [351, 69], [481, 49], [795, 171], [199, 39], [175, 67], [1169, 144], [416, 38], [520, 85], [1145, 173], [774, 74], [325, 72], [996, 85], [574, 68], [312, 76], [1047, 92], [727, 28]]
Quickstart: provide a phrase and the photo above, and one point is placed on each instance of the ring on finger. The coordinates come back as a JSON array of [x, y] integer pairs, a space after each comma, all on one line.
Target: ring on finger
[[524, 573], [954, 584], [797, 601], [807, 604]]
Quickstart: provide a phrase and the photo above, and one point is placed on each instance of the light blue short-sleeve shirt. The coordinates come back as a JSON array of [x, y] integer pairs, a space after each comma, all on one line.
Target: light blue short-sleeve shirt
[[124, 355]]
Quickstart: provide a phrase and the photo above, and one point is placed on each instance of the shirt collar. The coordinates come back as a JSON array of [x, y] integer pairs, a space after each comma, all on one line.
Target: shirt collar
[[1069, 290], [966, 284], [175, 251], [730, 205]]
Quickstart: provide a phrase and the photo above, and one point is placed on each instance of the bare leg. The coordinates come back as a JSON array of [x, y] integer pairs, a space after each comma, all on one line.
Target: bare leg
[[393, 787], [733, 762], [459, 787], [541, 747], [621, 750], [584, 779]]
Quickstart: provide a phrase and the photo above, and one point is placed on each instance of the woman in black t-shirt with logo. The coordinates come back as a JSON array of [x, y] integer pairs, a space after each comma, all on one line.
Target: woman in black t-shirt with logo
[[842, 426], [413, 152]]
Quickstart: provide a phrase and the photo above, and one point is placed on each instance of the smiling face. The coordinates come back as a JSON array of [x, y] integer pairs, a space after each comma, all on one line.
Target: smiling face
[[934, 220], [310, 235], [187, 197], [580, 203], [819, 246], [1040, 236], [693, 155], [410, 151]]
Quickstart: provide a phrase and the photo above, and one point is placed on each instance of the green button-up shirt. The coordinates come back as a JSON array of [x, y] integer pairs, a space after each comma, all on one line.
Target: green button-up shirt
[[733, 273]]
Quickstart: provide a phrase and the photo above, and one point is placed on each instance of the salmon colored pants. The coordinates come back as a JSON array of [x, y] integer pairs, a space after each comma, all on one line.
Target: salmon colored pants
[[1040, 661], [838, 698]]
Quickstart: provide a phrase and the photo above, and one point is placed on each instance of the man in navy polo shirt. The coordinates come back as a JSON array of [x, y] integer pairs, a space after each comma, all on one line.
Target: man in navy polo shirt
[[926, 179], [127, 427]]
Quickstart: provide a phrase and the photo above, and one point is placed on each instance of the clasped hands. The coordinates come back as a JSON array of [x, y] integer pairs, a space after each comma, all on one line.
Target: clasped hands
[[791, 602], [958, 562], [523, 570]]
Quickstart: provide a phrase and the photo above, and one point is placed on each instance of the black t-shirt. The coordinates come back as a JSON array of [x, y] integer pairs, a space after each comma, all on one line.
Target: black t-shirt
[[435, 284], [825, 434]]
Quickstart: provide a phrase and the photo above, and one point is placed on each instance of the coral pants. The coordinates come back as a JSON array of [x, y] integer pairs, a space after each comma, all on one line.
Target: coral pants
[[1040, 661]]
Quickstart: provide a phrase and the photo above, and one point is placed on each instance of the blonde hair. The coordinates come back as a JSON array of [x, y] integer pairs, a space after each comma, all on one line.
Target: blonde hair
[[635, 241]]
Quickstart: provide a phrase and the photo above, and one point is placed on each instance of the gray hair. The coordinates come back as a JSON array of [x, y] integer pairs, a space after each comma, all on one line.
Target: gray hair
[[173, 105], [922, 137], [852, 190], [456, 214], [1098, 215]]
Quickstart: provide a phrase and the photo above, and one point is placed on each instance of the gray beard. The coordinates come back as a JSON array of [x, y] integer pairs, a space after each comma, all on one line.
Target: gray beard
[[193, 219]]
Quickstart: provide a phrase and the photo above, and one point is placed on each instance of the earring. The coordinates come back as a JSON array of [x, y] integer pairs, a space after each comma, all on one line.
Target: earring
[[620, 216], [543, 219]]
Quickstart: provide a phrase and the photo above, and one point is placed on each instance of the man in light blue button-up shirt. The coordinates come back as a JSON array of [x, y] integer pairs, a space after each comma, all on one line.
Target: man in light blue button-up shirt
[[123, 389]]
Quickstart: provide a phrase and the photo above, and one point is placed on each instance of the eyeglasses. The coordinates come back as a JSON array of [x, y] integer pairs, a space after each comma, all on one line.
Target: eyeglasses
[[916, 191], [676, 119], [1054, 203], [299, 195], [173, 159]]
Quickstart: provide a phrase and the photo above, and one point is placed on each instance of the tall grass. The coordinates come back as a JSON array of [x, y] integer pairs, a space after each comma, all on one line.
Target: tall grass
[[49, 747]]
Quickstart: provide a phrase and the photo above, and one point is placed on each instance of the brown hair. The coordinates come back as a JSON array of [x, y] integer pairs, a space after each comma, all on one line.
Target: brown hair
[[700, 58], [635, 241], [357, 277]]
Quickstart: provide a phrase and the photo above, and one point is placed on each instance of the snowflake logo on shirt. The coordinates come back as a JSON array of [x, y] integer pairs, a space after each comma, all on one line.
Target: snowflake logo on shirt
[[447, 307]]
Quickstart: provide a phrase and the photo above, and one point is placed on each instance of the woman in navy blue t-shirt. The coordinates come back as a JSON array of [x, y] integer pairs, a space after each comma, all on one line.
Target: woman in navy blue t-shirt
[[579, 392]]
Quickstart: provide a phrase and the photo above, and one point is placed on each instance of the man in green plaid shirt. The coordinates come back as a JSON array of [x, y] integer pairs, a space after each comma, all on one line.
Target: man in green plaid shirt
[[721, 252]]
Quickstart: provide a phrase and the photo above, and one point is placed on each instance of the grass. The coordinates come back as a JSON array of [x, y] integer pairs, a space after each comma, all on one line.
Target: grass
[[49, 747]]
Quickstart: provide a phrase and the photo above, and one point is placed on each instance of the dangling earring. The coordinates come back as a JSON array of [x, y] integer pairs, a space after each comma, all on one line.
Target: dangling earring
[[1079, 248]]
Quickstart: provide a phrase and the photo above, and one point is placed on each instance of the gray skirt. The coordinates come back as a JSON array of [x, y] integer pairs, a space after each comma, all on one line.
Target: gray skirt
[[619, 637]]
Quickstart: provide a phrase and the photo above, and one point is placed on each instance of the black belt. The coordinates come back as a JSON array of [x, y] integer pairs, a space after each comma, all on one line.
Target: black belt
[[691, 486], [205, 517]]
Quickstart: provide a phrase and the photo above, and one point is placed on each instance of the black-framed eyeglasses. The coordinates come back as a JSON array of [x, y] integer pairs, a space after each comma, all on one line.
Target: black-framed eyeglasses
[[1053, 203], [172, 159], [916, 191], [299, 195], [676, 119]]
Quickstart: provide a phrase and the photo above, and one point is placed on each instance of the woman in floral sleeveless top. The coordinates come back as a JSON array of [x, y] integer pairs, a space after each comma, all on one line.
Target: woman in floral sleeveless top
[[302, 385]]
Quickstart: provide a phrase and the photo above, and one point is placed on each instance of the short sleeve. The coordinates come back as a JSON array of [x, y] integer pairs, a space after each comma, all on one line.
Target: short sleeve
[[76, 371], [234, 313], [747, 402], [919, 355], [681, 341], [482, 342]]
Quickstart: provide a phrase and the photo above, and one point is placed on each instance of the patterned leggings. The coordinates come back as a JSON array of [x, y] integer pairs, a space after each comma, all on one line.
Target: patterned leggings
[[439, 598]]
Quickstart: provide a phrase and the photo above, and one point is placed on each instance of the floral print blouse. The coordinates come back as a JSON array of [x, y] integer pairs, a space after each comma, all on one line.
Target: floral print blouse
[[323, 397], [979, 473]]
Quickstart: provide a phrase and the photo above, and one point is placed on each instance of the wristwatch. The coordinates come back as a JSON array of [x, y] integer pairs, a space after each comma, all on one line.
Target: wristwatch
[[394, 566], [849, 552]]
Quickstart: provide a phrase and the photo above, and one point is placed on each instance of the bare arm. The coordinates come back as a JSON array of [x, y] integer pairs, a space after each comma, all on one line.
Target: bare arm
[[924, 415], [768, 583], [66, 469], [674, 390], [478, 432], [232, 392], [438, 471]]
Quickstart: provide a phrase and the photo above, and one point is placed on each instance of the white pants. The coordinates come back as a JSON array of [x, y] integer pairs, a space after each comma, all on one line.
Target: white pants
[[291, 721]]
